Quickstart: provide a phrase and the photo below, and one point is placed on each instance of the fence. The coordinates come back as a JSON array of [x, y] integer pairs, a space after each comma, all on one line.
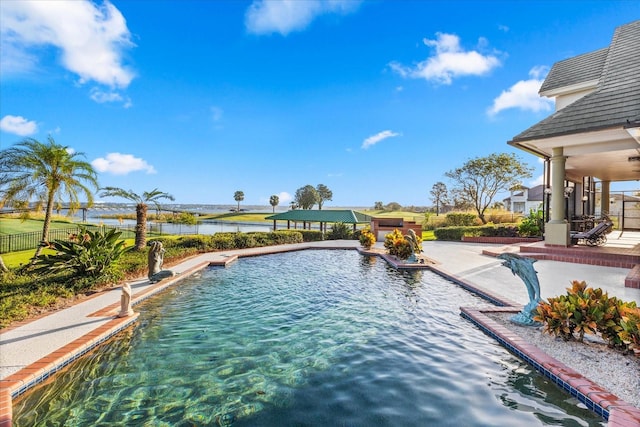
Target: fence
[[26, 241]]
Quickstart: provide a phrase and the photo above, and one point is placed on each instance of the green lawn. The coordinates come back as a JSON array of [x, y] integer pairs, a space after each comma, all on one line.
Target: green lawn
[[16, 225]]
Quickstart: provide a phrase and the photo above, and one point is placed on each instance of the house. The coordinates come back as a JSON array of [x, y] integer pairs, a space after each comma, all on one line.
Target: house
[[593, 137], [524, 199]]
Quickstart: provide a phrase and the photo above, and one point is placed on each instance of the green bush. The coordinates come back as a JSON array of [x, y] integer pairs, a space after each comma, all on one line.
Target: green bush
[[88, 253], [311, 235], [585, 310], [532, 225], [460, 219], [340, 231], [457, 233]]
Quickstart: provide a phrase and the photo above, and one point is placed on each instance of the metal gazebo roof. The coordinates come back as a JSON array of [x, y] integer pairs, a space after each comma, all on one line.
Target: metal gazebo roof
[[310, 215]]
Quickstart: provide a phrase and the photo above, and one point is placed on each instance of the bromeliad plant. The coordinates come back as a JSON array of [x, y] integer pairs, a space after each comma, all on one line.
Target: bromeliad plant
[[585, 310], [88, 253]]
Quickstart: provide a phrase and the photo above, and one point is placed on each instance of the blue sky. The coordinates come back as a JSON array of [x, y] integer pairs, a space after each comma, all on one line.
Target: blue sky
[[375, 99]]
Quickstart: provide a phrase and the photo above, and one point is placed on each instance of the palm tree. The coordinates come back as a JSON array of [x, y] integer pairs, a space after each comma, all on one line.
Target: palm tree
[[273, 201], [141, 201], [47, 173], [238, 196]]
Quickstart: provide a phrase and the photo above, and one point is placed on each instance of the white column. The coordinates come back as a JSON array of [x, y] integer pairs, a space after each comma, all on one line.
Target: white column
[[557, 229], [557, 186]]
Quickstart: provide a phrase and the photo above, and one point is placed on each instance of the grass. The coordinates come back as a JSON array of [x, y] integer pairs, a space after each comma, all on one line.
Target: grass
[[15, 225]]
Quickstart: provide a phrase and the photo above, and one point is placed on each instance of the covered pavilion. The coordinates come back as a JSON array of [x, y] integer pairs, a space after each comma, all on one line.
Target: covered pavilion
[[323, 217]]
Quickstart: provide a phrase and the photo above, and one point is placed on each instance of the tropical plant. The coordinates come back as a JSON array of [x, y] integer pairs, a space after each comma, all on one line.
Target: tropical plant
[[367, 238], [397, 245], [273, 201], [238, 196], [47, 173], [630, 324], [153, 196], [324, 194], [585, 310], [531, 226], [340, 231], [88, 253], [479, 180]]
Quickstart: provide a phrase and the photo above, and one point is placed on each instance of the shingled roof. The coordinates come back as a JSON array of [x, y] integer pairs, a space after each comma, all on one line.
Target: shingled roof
[[329, 215], [614, 103]]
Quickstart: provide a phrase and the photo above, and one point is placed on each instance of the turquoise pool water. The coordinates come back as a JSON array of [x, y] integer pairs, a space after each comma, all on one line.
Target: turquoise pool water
[[311, 338]]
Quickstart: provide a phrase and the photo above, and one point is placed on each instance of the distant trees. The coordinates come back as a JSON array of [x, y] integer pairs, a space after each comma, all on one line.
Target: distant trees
[[306, 197], [47, 173], [274, 201], [238, 196], [481, 178], [324, 195], [153, 196], [439, 195], [378, 206]]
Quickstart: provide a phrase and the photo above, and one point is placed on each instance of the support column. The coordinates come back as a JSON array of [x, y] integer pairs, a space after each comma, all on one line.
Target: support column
[[605, 204], [557, 229]]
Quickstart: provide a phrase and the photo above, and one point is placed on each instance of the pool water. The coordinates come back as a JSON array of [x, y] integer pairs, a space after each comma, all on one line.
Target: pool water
[[310, 338]]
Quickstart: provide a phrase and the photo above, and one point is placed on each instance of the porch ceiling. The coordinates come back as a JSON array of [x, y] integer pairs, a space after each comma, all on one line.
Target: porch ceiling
[[604, 155]]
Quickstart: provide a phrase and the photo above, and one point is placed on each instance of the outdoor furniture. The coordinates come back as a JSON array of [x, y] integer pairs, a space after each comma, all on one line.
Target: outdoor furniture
[[597, 236]]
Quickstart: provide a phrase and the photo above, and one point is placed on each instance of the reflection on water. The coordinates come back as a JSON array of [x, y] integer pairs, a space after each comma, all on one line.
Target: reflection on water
[[305, 338]]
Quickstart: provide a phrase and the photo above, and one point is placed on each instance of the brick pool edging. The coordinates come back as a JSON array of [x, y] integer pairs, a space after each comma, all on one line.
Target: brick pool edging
[[616, 411]]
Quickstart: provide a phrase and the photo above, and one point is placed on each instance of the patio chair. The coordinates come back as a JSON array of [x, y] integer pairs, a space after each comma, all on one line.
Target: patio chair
[[597, 236]]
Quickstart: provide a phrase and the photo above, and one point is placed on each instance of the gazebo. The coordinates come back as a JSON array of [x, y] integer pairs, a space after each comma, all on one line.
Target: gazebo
[[333, 216]]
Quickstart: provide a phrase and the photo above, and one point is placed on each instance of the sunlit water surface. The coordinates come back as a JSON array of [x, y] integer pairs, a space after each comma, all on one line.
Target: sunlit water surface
[[311, 338]]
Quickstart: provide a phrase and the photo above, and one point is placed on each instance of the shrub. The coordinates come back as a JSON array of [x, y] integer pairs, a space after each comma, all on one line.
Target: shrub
[[460, 219], [587, 310], [88, 253], [311, 235], [532, 225], [396, 244], [630, 324], [340, 231], [367, 239], [457, 233]]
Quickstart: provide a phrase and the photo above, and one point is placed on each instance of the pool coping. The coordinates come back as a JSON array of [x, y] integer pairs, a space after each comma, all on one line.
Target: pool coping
[[617, 412]]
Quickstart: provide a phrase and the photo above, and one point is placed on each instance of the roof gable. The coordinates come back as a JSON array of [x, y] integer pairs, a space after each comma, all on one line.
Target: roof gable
[[616, 99]]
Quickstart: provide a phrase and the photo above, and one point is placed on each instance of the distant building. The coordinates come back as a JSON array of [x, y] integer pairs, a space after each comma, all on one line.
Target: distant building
[[524, 199]]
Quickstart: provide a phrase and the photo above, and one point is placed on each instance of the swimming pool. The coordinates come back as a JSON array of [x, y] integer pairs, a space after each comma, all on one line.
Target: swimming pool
[[319, 337]]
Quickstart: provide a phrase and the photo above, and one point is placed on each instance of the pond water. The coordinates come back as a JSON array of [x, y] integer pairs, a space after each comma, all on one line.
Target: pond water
[[311, 338]]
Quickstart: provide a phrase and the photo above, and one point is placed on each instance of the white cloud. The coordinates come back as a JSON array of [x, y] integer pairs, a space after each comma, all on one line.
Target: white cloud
[[524, 95], [121, 164], [91, 38], [380, 136], [285, 16], [18, 125], [285, 197], [449, 61]]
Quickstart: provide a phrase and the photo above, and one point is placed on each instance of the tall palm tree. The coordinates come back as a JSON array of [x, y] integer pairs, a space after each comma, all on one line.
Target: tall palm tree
[[273, 201], [153, 196], [47, 173], [238, 196]]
